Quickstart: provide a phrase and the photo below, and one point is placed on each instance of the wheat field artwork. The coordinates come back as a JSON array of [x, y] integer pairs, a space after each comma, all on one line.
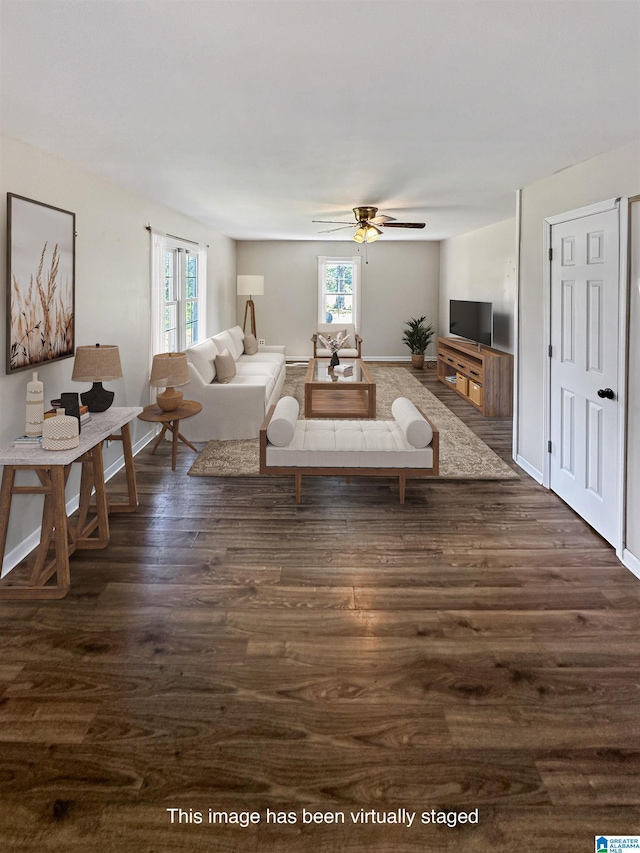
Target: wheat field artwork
[[41, 275]]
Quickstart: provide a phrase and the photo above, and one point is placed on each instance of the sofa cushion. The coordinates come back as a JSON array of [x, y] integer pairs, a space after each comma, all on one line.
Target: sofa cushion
[[247, 367], [250, 345], [225, 367], [202, 357], [223, 340], [237, 340], [417, 431], [333, 329], [321, 352], [282, 425], [264, 357]]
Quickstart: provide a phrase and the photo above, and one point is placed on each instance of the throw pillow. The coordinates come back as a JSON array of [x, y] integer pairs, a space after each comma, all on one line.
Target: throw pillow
[[225, 366], [282, 426], [417, 431], [250, 345]]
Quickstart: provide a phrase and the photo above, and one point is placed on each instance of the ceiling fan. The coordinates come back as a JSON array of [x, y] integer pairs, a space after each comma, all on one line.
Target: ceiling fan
[[368, 224]]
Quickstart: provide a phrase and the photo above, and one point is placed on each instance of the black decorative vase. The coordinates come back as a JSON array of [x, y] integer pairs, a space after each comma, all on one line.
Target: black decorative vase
[[71, 405], [97, 398], [335, 360]]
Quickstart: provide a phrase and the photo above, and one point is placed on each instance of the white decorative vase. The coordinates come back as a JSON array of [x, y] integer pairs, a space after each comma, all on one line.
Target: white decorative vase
[[35, 407], [60, 433]]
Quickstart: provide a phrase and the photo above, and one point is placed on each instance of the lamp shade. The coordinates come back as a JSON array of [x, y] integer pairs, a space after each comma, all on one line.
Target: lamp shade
[[250, 285], [366, 233], [372, 233], [169, 369], [99, 363]]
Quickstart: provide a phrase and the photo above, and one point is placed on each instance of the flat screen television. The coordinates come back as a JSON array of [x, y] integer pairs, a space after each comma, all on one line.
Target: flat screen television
[[472, 320]]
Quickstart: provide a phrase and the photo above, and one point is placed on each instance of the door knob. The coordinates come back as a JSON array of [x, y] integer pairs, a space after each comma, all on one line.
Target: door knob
[[606, 392]]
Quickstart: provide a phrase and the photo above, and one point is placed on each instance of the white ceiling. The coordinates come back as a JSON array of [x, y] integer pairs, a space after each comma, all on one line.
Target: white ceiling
[[257, 117]]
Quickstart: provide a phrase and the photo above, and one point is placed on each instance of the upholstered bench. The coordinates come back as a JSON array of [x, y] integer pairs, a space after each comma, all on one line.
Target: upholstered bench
[[407, 446]]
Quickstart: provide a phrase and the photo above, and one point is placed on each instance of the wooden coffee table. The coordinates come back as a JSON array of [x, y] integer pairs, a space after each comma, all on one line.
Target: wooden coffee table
[[171, 420], [332, 395]]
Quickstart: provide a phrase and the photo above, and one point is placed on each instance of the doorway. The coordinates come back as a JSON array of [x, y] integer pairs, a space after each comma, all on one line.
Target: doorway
[[584, 381]]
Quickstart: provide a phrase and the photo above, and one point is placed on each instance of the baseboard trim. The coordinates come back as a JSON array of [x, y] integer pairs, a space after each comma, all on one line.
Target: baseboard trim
[[17, 554], [528, 468], [631, 562]]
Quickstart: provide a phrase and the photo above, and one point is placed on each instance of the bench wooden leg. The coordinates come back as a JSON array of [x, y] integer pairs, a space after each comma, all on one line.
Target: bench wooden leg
[[401, 484], [298, 478]]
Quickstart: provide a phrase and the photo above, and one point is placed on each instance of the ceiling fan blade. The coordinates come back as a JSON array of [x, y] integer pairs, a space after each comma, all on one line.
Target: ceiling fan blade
[[403, 224], [380, 220], [334, 222], [331, 230]]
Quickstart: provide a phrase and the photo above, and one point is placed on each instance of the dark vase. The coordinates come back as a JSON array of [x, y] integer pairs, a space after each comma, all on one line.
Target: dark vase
[[335, 360]]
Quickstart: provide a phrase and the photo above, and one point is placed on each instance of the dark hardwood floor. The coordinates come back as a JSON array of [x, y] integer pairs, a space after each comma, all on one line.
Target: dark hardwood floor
[[476, 648]]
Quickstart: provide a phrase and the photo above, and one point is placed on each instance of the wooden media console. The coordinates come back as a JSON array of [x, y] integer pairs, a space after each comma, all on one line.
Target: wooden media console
[[483, 375]]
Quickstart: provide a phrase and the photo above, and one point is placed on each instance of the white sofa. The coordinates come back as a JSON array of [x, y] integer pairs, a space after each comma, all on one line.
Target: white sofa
[[235, 409], [407, 446]]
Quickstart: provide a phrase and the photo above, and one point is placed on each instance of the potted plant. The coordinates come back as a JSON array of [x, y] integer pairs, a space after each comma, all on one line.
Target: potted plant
[[417, 336]]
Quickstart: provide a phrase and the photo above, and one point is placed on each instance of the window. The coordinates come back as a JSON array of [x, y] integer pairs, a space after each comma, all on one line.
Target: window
[[339, 290], [181, 297], [178, 291]]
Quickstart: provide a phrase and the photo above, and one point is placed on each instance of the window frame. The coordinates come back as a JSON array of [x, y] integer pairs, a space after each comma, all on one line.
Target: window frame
[[181, 250], [323, 262]]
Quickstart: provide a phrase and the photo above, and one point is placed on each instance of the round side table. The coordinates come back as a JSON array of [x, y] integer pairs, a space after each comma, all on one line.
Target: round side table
[[171, 420]]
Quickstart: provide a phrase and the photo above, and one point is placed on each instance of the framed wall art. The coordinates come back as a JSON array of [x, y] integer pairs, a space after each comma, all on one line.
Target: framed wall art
[[41, 248]]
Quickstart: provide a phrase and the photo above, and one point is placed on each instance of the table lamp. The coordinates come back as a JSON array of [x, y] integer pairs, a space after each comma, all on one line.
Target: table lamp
[[250, 285], [168, 370], [97, 364]]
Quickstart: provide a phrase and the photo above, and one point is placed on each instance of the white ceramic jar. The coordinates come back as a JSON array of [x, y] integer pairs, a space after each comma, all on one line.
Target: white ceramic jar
[[60, 432]]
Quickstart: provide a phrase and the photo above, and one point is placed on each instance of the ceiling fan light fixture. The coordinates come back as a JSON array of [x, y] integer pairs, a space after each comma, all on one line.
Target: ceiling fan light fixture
[[366, 233]]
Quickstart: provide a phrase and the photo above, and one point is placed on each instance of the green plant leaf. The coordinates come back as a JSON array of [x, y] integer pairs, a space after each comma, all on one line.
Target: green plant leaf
[[417, 334]]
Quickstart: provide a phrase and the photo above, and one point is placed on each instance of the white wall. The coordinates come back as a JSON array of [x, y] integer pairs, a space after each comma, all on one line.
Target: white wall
[[615, 174], [112, 289], [481, 265], [400, 281]]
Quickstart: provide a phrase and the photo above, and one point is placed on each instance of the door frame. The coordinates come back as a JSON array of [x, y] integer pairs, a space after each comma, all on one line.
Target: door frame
[[630, 560], [621, 205]]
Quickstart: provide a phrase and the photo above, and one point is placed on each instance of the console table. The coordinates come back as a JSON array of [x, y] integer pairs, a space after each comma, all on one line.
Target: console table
[[52, 467], [481, 375]]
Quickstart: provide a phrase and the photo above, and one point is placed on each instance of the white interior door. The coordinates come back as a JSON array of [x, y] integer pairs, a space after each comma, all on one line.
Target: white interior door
[[584, 413]]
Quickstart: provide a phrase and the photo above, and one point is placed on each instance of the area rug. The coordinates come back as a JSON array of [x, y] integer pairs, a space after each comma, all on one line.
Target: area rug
[[463, 456]]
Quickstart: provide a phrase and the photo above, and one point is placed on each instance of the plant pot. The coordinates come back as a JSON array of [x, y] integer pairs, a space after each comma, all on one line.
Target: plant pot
[[417, 361]]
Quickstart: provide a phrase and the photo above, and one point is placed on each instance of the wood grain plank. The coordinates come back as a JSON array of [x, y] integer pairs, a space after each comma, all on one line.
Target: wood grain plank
[[474, 648]]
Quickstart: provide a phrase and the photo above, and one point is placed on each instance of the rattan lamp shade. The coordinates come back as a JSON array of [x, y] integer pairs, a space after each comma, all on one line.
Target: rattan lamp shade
[[97, 364], [168, 370]]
